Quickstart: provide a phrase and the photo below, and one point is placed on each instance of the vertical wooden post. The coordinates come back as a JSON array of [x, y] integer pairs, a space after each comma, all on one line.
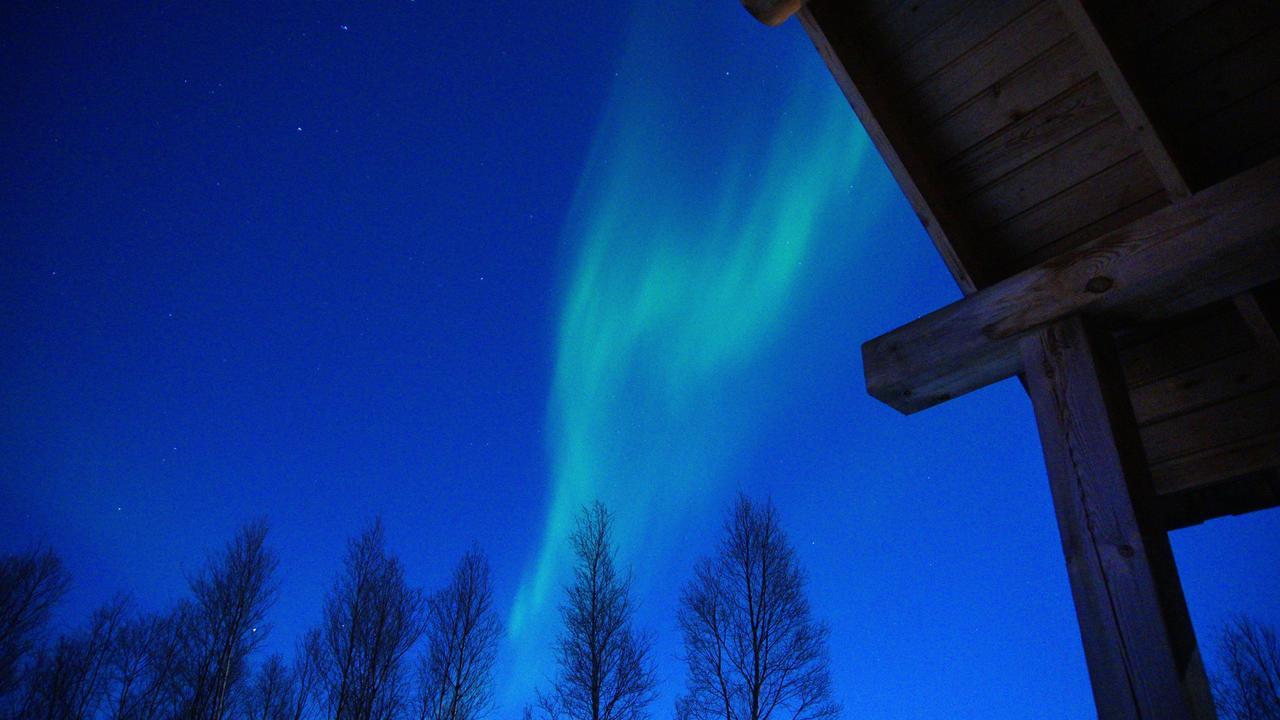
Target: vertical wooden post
[[1138, 640]]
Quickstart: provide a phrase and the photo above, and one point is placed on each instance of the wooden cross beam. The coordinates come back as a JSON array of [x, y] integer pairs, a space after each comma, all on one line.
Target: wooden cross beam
[[1213, 245], [1103, 51]]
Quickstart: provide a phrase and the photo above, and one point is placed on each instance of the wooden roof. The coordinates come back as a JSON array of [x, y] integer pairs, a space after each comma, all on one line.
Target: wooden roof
[[1116, 159]]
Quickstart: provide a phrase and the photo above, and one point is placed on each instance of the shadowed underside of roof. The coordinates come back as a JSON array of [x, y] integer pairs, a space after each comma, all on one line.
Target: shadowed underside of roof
[[1072, 156]]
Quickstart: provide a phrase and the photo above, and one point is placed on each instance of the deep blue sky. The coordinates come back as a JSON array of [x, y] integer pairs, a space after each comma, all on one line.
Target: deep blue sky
[[467, 265]]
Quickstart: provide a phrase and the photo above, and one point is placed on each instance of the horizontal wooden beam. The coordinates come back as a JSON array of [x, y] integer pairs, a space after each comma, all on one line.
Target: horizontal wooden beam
[[772, 12], [1210, 246]]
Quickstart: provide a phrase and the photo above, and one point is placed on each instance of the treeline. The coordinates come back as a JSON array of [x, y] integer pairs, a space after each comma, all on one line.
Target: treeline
[[195, 660], [384, 650]]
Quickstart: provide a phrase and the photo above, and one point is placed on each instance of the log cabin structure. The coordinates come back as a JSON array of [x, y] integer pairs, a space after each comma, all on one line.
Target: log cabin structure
[[1102, 180]]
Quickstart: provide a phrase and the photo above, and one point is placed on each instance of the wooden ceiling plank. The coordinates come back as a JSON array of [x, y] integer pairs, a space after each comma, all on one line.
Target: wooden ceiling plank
[[1211, 246], [1119, 83]]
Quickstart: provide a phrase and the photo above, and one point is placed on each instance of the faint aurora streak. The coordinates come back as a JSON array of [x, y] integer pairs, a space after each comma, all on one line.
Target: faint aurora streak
[[690, 237]]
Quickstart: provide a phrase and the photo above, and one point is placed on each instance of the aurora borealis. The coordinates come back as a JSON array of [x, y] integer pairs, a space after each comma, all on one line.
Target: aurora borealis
[[682, 270], [468, 267]]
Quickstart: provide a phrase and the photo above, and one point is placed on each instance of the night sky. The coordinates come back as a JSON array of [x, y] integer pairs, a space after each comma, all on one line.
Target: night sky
[[468, 266]]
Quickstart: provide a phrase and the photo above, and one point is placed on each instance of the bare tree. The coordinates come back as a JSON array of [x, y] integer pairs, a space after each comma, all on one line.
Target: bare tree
[[271, 694], [30, 585], [752, 650], [144, 670], [307, 669], [284, 691], [372, 619], [226, 622], [1249, 686], [71, 682], [605, 669], [462, 631]]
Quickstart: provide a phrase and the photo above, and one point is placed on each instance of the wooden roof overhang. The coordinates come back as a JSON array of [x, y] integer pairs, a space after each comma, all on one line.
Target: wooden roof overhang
[[1102, 180]]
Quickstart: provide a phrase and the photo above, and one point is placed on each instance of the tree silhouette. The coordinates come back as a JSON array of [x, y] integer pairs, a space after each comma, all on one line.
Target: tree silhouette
[[752, 650], [605, 669], [226, 621], [30, 585], [462, 632], [372, 618], [1249, 686]]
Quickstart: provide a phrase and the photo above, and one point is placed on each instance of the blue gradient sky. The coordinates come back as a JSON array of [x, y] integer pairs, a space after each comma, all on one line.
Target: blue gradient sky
[[469, 265]]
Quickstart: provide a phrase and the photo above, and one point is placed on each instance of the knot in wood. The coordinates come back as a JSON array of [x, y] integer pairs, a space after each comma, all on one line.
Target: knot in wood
[[1099, 284], [1126, 551]]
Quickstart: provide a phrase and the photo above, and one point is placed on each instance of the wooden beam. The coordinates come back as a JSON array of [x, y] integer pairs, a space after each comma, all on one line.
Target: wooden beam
[[1137, 635], [1210, 246], [772, 12], [1103, 50], [830, 26]]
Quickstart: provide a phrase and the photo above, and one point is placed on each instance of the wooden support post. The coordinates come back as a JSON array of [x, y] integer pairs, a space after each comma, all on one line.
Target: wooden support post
[[1137, 635]]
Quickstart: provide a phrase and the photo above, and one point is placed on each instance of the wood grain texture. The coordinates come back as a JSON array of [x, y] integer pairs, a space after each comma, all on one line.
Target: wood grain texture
[[1022, 141], [992, 59], [1214, 467], [1161, 351], [1010, 99], [1203, 386], [1094, 463], [1234, 420], [1210, 246], [1078, 159], [1118, 209], [954, 38]]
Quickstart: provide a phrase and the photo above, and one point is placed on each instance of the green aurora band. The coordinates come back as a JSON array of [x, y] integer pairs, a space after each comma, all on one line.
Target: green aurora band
[[690, 240]]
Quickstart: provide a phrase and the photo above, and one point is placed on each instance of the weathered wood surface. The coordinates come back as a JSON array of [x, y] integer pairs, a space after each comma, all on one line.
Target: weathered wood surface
[[1210, 246], [1014, 96], [1213, 467], [1108, 53], [987, 63], [1137, 637], [1075, 163], [1204, 385], [917, 61], [1135, 193], [1031, 136], [1162, 350], [832, 29]]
